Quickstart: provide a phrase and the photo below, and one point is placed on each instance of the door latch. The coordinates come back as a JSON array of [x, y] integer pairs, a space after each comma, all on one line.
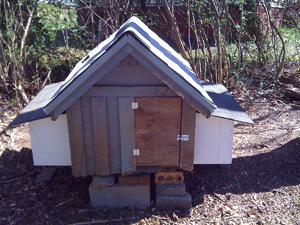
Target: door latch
[[183, 137]]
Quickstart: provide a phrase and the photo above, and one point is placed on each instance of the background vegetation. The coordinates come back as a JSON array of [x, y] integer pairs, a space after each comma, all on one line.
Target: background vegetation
[[227, 42]]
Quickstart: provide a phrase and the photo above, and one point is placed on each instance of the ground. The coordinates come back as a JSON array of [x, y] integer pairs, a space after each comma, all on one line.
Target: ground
[[261, 186]]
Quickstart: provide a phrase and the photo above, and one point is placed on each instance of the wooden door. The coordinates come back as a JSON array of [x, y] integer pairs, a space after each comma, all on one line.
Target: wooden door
[[157, 126]]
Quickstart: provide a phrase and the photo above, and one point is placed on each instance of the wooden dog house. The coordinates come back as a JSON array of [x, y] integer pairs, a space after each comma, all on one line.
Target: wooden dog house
[[132, 105]]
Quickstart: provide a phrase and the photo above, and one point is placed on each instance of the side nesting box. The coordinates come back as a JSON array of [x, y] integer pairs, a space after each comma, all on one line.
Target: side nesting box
[[132, 105]]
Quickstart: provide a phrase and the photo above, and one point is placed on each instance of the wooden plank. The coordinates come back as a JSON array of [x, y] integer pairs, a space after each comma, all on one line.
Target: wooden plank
[[188, 123], [114, 135], [135, 179], [170, 78], [147, 91], [76, 139], [88, 135], [127, 131], [101, 136], [88, 78], [157, 127]]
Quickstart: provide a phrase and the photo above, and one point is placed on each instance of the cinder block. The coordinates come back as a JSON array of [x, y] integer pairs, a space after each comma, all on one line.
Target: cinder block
[[173, 201], [119, 196], [134, 179], [102, 181], [170, 189]]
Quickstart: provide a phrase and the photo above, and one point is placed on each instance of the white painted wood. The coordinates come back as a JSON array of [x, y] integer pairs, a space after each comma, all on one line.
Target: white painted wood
[[213, 140], [50, 142]]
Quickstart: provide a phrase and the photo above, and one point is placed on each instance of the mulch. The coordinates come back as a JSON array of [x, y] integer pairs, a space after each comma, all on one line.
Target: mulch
[[261, 186]]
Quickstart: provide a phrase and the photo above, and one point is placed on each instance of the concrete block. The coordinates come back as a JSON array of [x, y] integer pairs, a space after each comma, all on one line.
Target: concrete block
[[170, 189], [103, 181], [119, 196], [173, 201], [134, 179]]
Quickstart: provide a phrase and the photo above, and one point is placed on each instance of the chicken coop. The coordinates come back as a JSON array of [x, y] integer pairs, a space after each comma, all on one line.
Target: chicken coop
[[133, 107]]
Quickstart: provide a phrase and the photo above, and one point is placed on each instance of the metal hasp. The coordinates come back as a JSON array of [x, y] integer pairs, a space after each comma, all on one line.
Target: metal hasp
[[183, 137]]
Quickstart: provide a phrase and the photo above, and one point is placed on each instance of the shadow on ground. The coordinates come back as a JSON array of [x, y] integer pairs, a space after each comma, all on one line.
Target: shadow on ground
[[66, 200], [258, 173]]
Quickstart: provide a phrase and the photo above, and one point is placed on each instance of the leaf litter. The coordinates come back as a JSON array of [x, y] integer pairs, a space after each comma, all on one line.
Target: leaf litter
[[261, 186]]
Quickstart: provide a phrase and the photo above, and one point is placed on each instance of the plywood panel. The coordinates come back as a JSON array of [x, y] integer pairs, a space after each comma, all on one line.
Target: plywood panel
[[88, 135], [100, 136], [127, 132], [114, 135], [50, 142], [74, 119], [213, 142], [129, 72], [188, 121], [157, 127]]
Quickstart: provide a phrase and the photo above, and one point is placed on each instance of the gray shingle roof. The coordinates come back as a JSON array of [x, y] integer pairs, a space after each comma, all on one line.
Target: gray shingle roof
[[154, 44], [52, 95], [227, 106], [35, 108]]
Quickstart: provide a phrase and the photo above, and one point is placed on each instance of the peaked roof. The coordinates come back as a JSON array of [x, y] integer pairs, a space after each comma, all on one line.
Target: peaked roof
[[182, 72], [134, 38]]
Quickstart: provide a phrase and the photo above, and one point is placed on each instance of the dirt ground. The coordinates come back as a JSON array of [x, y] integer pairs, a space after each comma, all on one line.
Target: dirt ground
[[261, 186]]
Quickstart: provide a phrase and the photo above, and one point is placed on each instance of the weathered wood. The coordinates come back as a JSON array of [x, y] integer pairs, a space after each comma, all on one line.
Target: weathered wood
[[88, 135], [114, 135], [129, 72], [170, 78], [101, 136], [147, 91], [127, 135], [157, 127], [135, 179], [188, 121], [88, 78], [76, 139]]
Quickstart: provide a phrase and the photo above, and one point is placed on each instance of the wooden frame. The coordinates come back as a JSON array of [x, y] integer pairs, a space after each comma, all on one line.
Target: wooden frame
[[188, 121]]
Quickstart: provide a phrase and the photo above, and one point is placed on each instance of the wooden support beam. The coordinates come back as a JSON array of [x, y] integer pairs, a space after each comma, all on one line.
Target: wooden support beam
[[74, 119], [188, 121]]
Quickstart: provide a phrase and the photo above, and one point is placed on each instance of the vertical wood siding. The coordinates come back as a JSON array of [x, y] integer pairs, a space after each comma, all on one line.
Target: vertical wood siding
[[114, 135], [127, 132], [101, 136], [188, 121], [76, 139], [88, 135]]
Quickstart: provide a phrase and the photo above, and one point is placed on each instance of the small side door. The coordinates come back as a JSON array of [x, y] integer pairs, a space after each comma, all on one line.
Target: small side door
[[157, 124]]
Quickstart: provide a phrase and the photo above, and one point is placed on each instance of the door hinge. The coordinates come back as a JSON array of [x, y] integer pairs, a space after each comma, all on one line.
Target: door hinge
[[136, 152], [183, 137], [135, 105]]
